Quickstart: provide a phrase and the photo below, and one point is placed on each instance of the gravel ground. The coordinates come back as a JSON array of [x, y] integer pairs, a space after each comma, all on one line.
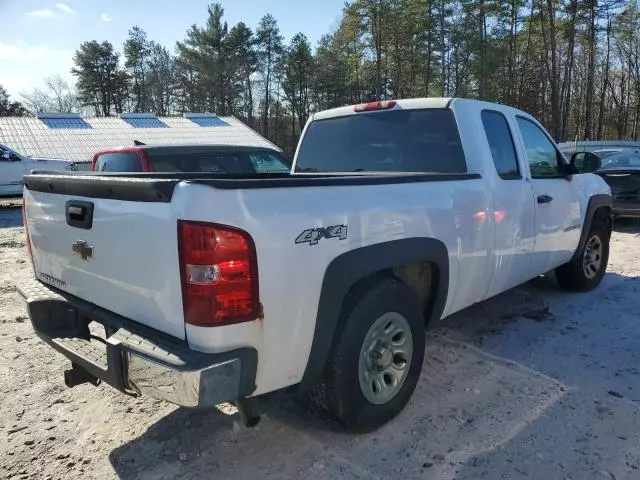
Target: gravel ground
[[533, 384]]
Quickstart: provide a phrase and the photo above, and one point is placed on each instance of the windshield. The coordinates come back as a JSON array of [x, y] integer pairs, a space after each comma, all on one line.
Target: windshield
[[220, 161], [606, 153], [386, 141], [623, 160]]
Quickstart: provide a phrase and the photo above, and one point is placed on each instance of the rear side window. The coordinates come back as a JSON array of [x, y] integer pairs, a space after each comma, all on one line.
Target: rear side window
[[384, 141], [501, 144], [118, 162]]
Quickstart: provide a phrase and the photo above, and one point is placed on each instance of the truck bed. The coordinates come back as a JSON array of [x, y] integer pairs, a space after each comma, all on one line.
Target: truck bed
[[159, 187]]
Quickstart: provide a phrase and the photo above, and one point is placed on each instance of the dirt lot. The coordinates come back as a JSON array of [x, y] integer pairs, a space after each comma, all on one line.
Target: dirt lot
[[533, 384]]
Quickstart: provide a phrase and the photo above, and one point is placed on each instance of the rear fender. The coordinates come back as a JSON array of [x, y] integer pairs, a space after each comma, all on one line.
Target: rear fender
[[349, 268]]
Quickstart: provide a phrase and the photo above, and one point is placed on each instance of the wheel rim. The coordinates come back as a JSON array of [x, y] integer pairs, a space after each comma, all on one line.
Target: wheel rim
[[385, 358], [592, 259]]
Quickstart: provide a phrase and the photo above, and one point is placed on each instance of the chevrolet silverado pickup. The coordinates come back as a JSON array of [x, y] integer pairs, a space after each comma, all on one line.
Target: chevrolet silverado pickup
[[206, 288]]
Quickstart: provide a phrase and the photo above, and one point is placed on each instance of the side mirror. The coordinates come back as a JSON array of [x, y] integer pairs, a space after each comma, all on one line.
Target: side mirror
[[585, 162]]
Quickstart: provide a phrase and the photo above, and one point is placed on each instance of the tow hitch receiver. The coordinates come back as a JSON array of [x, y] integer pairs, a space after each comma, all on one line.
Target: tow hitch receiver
[[77, 375]]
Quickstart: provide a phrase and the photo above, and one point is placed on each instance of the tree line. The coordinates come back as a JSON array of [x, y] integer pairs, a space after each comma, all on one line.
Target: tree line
[[573, 64]]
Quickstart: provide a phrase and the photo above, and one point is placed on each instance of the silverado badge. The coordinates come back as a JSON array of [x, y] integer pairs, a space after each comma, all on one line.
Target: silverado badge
[[82, 249]]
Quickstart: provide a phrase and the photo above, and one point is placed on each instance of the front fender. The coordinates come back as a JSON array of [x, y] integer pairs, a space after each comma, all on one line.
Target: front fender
[[595, 202]]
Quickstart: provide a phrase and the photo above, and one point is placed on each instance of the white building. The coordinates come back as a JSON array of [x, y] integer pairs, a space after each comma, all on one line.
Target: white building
[[76, 138]]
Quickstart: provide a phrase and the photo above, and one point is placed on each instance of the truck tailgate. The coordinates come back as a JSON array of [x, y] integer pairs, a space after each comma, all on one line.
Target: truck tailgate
[[125, 261]]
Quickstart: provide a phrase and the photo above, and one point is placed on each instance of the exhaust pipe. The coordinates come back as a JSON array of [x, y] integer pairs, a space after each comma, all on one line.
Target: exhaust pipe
[[77, 375], [249, 411]]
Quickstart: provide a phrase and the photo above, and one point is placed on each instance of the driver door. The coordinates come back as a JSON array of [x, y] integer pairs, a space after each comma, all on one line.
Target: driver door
[[556, 198], [12, 169]]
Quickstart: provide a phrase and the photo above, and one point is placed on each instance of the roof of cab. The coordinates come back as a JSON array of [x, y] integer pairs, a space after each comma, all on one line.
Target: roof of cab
[[406, 104]]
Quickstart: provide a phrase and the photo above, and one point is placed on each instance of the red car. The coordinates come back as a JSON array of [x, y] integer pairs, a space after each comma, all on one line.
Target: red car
[[229, 159]]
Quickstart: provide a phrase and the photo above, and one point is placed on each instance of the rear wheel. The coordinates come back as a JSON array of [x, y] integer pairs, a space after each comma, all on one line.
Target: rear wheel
[[586, 270], [377, 356]]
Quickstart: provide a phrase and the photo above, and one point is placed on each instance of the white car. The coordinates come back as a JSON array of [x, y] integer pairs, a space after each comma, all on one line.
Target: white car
[[13, 167], [216, 287]]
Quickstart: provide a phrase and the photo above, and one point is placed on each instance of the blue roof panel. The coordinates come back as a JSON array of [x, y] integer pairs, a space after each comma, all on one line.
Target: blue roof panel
[[145, 122], [65, 123], [209, 121]]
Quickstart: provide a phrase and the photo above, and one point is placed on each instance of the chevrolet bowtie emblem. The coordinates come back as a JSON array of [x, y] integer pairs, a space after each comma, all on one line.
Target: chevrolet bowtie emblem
[[82, 249]]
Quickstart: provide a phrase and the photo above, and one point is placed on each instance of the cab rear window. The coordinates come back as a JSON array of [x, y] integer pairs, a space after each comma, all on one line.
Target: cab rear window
[[383, 141]]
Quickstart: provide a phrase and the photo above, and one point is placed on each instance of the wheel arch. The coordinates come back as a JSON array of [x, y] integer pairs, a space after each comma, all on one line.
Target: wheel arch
[[351, 268], [599, 204]]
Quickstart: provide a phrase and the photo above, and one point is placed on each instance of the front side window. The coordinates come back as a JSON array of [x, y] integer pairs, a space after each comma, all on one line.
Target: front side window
[[542, 155], [8, 156], [501, 144]]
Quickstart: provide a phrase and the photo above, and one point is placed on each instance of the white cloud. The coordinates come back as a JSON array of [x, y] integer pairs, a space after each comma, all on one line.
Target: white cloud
[[16, 83], [25, 65], [65, 8], [44, 13], [105, 17], [21, 52]]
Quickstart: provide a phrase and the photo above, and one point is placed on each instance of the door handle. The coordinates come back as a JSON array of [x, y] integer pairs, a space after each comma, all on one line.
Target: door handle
[[545, 198]]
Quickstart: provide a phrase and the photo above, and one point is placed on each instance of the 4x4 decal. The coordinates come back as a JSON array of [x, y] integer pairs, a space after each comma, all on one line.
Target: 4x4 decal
[[313, 235]]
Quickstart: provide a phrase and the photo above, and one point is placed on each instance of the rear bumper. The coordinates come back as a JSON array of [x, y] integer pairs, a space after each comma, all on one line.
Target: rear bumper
[[136, 359]]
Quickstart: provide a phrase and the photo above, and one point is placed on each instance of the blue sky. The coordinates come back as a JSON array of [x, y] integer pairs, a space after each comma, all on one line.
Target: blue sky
[[38, 37]]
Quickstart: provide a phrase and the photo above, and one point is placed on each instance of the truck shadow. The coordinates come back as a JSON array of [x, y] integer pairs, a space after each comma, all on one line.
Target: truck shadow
[[481, 393]]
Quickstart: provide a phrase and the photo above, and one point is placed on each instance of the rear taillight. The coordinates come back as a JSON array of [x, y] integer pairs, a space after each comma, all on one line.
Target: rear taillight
[[27, 241], [219, 273]]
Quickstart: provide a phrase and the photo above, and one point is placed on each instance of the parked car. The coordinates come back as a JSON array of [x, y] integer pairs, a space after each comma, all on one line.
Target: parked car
[[14, 166], [622, 172], [222, 159], [220, 287], [607, 152]]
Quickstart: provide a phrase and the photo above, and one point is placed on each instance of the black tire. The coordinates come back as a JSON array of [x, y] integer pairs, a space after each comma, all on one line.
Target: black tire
[[571, 276], [340, 392]]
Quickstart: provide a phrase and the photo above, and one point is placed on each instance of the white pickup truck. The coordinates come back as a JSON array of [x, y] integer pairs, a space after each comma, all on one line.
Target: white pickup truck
[[13, 167], [214, 288]]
